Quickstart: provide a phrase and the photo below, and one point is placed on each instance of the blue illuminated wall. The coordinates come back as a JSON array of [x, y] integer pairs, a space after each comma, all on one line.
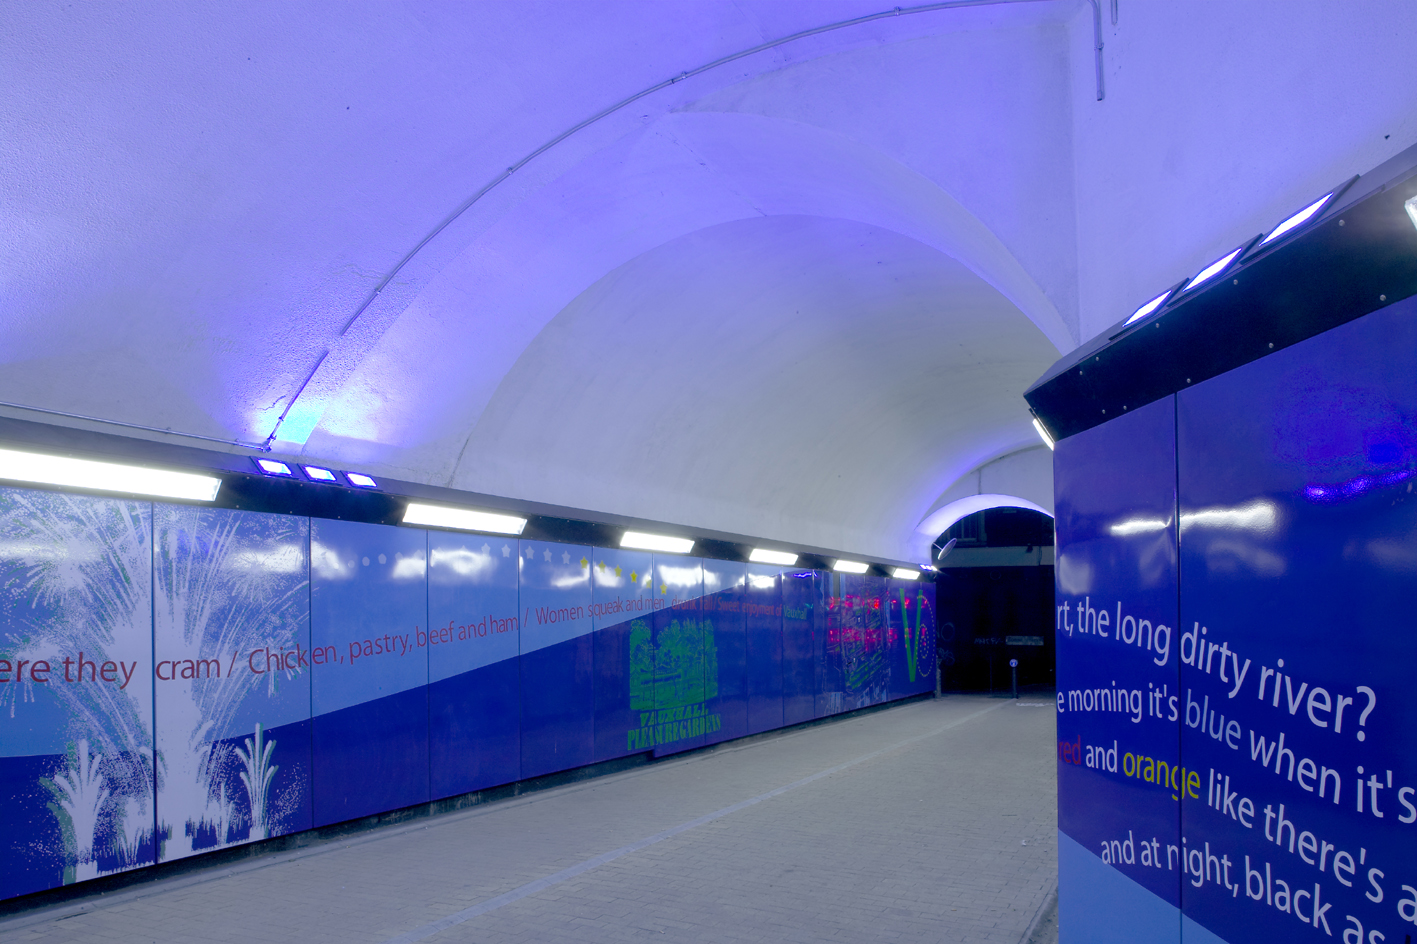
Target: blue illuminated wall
[[1236, 576], [178, 679]]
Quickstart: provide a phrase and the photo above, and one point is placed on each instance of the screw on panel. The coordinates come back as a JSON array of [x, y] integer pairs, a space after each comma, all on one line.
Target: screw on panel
[[1271, 344], [1382, 298], [1340, 222]]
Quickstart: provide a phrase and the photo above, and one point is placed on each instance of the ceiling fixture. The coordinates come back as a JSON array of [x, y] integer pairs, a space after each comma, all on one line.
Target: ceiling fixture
[[1298, 219], [762, 556], [360, 480], [1217, 267], [274, 467], [850, 567], [66, 472], [1149, 307], [317, 474], [461, 519], [1411, 207], [905, 573], [656, 542]]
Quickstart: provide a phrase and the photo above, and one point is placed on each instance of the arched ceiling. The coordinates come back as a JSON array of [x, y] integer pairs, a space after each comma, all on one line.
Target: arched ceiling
[[796, 296]]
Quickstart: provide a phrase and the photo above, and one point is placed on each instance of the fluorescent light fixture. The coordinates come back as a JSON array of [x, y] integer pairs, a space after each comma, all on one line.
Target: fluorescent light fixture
[[761, 556], [905, 573], [1149, 307], [1300, 218], [1047, 440], [273, 467], [318, 474], [849, 567], [360, 480], [462, 519], [1215, 268], [1411, 207], [656, 542], [106, 476]]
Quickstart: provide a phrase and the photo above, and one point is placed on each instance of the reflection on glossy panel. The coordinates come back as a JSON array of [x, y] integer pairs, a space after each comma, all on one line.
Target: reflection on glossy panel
[[799, 681], [762, 605], [723, 609], [681, 657]]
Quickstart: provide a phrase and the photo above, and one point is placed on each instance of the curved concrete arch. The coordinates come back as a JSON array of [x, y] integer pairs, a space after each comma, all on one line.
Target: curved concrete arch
[[404, 404], [942, 519]]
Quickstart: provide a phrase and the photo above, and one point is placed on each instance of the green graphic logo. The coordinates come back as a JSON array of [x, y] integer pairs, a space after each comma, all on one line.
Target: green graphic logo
[[672, 679], [912, 637]]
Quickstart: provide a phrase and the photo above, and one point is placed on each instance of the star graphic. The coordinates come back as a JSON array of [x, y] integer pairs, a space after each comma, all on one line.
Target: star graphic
[[547, 553], [585, 563], [565, 557], [486, 550], [506, 551], [529, 554], [664, 588], [601, 565], [634, 577], [617, 573]]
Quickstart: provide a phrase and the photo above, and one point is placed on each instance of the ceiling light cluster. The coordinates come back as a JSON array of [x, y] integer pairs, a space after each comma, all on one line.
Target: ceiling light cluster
[[285, 470], [1291, 224]]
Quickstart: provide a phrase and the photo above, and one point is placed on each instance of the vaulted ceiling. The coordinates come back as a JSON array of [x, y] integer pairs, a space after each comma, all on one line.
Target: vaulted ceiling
[[796, 295]]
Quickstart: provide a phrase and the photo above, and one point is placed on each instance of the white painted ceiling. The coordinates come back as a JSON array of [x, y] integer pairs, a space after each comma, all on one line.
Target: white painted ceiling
[[796, 296]]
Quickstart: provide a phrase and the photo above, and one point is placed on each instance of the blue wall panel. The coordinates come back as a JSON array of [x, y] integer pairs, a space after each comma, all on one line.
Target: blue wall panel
[[474, 701], [231, 634], [557, 658], [684, 657], [762, 603], [799, 670], [861, 630], [622, 601], [369, 654], [1298, 561], [1117, 675], [724, 588], [347, 669], [75, 688], [911, 608]]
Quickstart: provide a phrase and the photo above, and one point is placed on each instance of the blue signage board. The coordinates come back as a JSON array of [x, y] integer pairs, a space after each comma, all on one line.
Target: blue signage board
[[1296, 650], [622, 602], [557, 657], [762, 605], [474, 697], [231, 677], [369, 668], [1121, 777], [723, 613]]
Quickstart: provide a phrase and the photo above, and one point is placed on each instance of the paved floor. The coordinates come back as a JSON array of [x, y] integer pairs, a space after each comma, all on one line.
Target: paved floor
[[932, 821]]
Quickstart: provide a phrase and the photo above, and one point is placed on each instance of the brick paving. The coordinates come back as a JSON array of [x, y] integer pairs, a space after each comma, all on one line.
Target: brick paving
[[931, 821]]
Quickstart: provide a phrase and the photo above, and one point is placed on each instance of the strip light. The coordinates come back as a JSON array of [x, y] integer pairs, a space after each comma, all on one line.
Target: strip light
[[849, 567], [360, 480], [762, 556], [656, 542], [318, 474], [65, 472], [905, 573], [1047, 440], [461, 519]]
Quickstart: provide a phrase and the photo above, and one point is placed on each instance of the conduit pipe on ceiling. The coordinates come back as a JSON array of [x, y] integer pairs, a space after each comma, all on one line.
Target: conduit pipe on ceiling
[[467, 204]]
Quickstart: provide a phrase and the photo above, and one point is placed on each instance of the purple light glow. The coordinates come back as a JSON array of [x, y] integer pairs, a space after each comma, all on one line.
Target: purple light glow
[[1354, 487]]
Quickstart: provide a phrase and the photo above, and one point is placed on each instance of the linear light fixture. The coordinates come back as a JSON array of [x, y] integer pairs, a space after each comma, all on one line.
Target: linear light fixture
[[763, 556], [849, 567], [461, 519], [65, 472], [656, 542], [1411, 207], [360, 480], [317, 474], [1047, 440], [1149, 307], [905, 573]]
